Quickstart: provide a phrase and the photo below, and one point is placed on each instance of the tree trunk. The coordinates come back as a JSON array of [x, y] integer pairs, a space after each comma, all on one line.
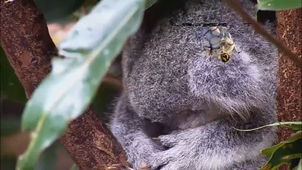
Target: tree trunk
[[289, 28], [25, 39]]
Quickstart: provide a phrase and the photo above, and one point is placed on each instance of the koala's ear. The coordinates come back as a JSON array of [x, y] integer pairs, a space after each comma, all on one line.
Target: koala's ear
[[234, 86]]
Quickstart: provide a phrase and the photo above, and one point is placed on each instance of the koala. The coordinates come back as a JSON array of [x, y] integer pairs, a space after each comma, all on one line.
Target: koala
[[179, 108]]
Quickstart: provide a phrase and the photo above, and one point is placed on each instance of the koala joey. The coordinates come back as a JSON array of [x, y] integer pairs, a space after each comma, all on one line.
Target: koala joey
[[180, 107]]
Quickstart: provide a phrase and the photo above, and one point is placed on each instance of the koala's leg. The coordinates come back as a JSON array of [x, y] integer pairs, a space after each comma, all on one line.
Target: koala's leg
[[217, 145], [126, 126]]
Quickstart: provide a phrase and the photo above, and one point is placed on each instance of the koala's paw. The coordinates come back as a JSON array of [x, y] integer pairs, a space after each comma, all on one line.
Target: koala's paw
[[181, 155], [140, 152]]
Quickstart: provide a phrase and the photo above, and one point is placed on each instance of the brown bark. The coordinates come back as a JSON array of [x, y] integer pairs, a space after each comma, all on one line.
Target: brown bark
[[29, 48], [91, 144], [289, 31]]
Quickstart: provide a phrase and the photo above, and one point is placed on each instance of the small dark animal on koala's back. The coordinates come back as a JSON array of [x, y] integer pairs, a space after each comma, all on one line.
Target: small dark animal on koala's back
[[190, 103]]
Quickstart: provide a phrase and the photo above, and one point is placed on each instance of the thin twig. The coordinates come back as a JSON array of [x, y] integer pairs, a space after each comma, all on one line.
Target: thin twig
[[258, 28]]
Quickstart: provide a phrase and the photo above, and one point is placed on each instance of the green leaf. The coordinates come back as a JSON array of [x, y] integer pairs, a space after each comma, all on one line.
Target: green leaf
[[294, 163], [48, 158], [296, 126], [299, 167], [276, 5], [46, 161], [149, 3], [89, 48], [11, 87], [54, 10], [271, 150], [290, 150]]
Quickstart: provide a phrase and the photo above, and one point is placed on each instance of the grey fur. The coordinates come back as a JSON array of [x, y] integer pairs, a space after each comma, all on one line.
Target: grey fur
[[197, 102]]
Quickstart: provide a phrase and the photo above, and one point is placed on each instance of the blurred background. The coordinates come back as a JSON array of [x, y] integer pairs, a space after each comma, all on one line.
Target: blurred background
[[61, 17]]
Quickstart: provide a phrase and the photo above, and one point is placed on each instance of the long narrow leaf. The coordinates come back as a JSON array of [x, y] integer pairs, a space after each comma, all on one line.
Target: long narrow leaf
[[269, 151], [299, 167], [294, 125], [89, 48], [284, 154], [149, 3], [276, 5]]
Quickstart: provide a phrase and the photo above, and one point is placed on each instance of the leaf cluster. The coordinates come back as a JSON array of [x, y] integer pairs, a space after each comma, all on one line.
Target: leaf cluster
[[89, 49]]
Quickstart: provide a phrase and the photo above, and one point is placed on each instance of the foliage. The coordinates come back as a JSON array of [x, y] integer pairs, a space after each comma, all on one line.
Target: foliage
[[10, 132], [276, 5], [89, 50], [149, 3], [289, 151], [12, 89], [47, 159]]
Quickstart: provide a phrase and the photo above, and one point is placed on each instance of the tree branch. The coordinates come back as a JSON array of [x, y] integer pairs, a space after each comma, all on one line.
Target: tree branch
[[25, 39], [289, 30], [258, 28], [91, 144]]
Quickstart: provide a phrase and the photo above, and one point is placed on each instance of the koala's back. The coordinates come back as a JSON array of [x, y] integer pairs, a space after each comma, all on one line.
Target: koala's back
[[165, 73]]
